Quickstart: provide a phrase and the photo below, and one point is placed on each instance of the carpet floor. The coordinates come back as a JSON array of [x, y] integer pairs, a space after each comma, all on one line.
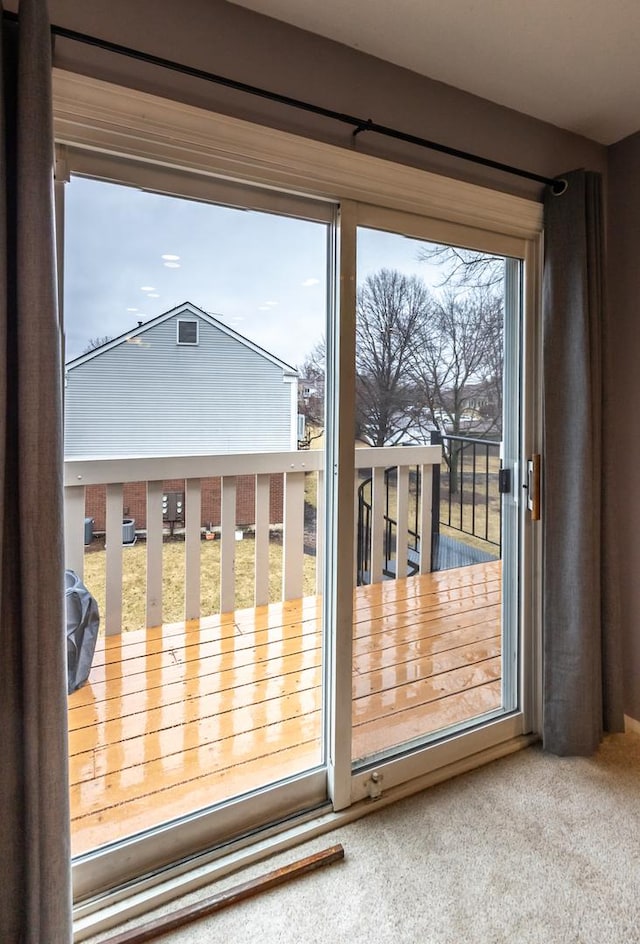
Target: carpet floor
[[531, 849]]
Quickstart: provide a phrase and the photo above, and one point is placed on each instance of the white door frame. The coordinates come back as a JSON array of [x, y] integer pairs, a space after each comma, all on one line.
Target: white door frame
[[96, 121]]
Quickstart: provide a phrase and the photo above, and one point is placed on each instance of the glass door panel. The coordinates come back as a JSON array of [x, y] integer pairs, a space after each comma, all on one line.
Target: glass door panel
[[437, 418], [194, 456]]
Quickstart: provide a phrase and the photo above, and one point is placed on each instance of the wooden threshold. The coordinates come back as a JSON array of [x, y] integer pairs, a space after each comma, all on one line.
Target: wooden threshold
[[182, 716]]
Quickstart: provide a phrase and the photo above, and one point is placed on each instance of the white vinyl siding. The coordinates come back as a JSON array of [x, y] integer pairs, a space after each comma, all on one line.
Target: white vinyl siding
[[149, 396]]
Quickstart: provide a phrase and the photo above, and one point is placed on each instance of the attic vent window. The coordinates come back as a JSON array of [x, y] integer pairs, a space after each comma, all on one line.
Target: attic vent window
[[187, 332]]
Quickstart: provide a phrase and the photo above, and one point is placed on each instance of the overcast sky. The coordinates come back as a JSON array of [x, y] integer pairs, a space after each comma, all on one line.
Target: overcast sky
[[132, 255]]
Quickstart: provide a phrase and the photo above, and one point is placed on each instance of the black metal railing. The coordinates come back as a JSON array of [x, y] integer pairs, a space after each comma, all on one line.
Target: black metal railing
[[465, 498], [467, 495], [389, 538]]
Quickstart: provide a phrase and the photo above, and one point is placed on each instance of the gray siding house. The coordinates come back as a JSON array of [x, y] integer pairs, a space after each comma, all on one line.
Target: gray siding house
[[183, 383]]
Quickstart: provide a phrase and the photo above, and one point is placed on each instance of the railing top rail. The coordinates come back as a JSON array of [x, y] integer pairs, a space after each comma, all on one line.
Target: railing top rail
[[472, 439], [161, 468], [86, 471], [375, 457]]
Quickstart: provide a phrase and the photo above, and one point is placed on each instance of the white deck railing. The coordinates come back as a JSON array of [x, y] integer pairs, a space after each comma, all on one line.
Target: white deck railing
[[294, 466]]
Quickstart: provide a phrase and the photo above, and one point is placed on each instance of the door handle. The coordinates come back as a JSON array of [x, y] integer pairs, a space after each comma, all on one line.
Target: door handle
[[533, 486]]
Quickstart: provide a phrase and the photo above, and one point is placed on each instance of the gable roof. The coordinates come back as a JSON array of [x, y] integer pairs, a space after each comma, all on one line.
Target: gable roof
[[186, 308]]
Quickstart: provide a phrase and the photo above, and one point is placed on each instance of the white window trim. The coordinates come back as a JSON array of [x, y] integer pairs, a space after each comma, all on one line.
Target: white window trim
[[112, 122], [187, 343], [110, 119]]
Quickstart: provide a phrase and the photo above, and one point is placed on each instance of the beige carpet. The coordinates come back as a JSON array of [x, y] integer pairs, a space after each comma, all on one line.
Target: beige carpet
[[531, 849]]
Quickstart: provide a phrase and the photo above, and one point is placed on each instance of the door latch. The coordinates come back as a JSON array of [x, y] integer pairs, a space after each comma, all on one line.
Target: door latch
[[374, 785], [533, 486], [504, 481]]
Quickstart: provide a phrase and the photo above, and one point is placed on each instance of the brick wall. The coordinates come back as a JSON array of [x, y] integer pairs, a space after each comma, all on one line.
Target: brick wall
[[134, 502]]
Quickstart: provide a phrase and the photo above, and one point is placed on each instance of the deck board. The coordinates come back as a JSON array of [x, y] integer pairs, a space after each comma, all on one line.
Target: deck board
[[189, 714]]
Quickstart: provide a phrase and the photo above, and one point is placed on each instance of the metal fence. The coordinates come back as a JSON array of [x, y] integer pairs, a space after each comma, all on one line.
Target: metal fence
[[465, 498], [466, 492]]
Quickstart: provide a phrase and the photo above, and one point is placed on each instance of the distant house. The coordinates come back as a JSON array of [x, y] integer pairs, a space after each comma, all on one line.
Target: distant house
[[183, 383], [311, 409]]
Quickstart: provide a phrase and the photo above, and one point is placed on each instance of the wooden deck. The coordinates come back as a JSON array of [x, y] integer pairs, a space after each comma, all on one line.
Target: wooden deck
[[185, 715]]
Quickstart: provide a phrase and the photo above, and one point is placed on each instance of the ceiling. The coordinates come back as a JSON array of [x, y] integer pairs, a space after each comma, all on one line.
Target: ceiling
[[574, 63]]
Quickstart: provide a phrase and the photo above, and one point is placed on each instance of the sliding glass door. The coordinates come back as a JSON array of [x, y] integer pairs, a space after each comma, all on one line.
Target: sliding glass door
[[194, 453], [295, 434], [437, 547]]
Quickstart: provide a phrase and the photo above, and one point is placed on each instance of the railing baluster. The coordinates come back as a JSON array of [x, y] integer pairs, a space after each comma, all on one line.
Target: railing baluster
[[424, 528], [320, 532], [376, 556], [357, 536], [461, 485], [500, 516], [450, 481], [473, 489], [228, 544], [416, 508], [154, 553], [193, 541], [293, 538], [261, 586], [365, 528], [113, 567], [486, 496], [402, 529], [436, 499]]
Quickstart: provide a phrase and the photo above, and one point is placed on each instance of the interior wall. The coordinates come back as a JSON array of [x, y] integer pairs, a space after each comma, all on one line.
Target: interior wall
[[624, 443], [219, 37]]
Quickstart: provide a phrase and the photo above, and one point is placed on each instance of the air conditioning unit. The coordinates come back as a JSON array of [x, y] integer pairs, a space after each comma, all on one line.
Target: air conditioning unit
[[128, 531]]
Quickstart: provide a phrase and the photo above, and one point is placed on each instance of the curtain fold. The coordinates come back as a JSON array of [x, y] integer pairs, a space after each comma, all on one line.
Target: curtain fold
[[582, 665], [35, 891]]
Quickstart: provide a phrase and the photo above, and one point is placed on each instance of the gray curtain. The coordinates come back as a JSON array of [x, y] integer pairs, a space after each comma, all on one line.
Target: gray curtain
[[35, 890], [582, 664]]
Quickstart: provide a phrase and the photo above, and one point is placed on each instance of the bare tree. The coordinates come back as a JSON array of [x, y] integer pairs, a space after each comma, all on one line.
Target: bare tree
[[391, 310], [97, 342], [460, 363], [423, 361], [464, 267], [459, 371]]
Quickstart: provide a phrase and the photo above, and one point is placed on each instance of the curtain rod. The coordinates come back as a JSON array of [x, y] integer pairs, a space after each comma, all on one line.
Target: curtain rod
[[557, 184]]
